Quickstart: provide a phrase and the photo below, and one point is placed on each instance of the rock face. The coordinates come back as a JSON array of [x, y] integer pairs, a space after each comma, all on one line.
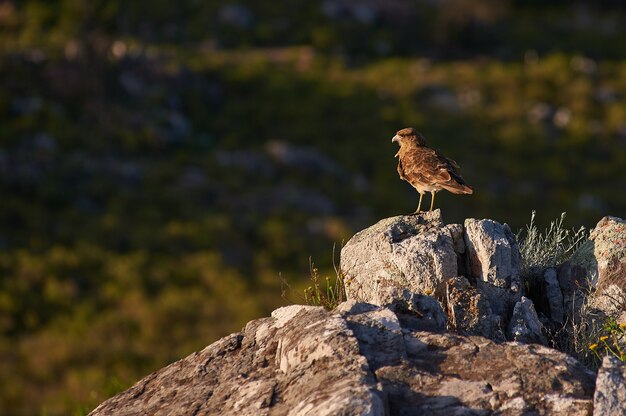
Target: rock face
[[524, 325], [494, 260], [610, 395], [473, 270], [359, 360], [609, 238], [276, 363], [470, 312], [599, 263], [414, 252], [424, 310]]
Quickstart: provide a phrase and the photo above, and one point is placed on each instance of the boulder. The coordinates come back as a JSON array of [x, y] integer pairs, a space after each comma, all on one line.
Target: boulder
[[609, 238], [414, 252], [597, 267], [470, 313], [610, 301], [524, 325], [298, 361], [359, 360], [494, 262], [610, 395]]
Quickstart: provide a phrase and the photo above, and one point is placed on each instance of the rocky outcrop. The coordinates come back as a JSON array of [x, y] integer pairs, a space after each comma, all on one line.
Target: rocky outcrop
[[609, 239], [610, 395], [473, 270], [598, 268], [399, 352], [359, 360]]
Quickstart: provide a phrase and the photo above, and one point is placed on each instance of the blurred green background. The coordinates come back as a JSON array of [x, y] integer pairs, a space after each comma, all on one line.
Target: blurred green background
[[163, 163]]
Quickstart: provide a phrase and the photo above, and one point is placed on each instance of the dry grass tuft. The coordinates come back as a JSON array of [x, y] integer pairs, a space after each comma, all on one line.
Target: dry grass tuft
[[548, 249], [327, 292]]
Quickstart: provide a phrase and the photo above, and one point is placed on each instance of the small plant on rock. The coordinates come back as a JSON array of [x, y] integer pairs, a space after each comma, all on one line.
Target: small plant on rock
[[324, 292], [327, 292]]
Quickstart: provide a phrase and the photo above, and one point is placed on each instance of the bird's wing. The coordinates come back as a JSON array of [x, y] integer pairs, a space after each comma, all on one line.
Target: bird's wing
[[457, 180], [427, 166]]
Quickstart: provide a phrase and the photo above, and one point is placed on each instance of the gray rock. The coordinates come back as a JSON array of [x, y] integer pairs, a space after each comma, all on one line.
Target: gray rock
[[380, 337], [414, 252], [609, 301], [470, 313], [458, 240], [598, 263], [359, 360], [423, 312], [456, 231], [610, 395], [554, 295], [493, 253], [300, 360], [494, 261], [609, 238], [525, 325], [449, 374], [352, 307]]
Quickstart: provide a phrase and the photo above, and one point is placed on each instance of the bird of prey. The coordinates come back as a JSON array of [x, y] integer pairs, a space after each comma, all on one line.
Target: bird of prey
[[426, 169]]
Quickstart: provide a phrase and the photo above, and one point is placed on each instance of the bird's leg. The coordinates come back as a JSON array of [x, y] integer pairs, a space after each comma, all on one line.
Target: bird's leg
[[432, 199], [419, 204]]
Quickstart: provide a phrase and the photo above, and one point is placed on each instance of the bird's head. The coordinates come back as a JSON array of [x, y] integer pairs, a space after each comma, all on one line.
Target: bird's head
[[409, 136]]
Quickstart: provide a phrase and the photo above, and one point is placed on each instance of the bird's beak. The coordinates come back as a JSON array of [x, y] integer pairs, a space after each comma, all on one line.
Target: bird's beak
[[395, 139]]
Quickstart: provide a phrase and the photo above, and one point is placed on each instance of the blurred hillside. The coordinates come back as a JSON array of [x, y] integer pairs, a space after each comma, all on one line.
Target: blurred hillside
[[160, 166]]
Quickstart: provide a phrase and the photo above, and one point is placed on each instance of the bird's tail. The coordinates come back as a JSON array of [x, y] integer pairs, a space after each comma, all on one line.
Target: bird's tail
[[458, 185], [458, 188]]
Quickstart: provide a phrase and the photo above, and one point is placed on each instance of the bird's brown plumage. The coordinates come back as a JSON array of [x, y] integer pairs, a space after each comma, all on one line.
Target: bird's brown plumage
[[426, 169]]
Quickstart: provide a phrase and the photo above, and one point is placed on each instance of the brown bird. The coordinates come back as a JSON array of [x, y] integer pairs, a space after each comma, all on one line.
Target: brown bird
[[426, 169]]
